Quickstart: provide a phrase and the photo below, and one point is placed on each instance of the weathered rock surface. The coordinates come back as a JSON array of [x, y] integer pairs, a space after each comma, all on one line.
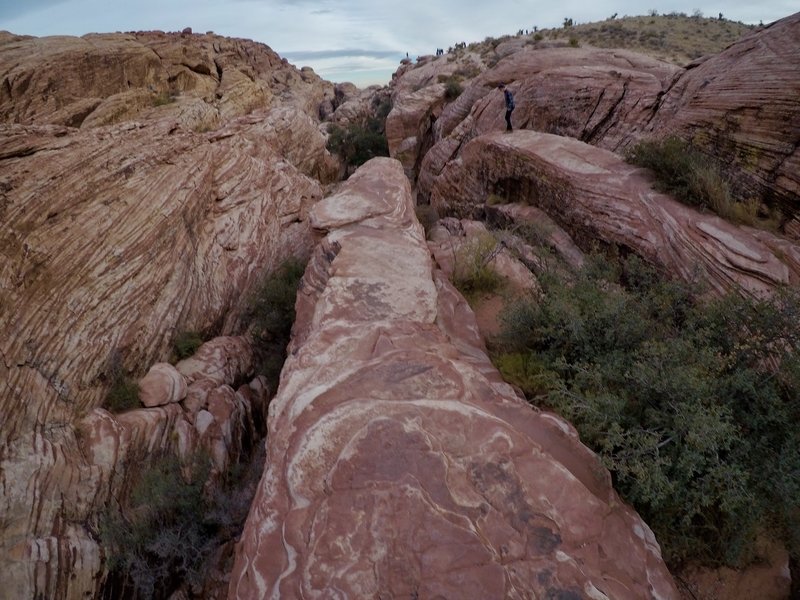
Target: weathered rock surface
[[112, 239], [594, 194], [78, 468], [409, 126], [399, 463], [738, 106], [741, 107], [600, 96], [101, 79]]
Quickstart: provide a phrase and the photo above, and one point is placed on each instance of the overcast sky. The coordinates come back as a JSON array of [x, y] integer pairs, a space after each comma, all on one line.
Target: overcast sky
[[358, 40]]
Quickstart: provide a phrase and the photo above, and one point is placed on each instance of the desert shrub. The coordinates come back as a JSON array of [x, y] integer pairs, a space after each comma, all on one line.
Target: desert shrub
[[358, 142], [164, 534], [693, 178], [163, 98], [186, 344], [472, 274], [452, 89], [123, 394], [162, 537], [574, 42], [271, 315], [691, 405], [538, 37]]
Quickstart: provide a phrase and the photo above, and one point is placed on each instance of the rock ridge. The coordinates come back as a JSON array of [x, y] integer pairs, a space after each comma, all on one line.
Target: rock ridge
[[399, 462]]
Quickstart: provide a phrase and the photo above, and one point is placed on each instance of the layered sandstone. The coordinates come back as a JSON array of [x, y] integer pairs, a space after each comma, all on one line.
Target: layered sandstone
[[399, 463], [101, 79], [112, 240], [594, 194], [741, 107], [600, 96]]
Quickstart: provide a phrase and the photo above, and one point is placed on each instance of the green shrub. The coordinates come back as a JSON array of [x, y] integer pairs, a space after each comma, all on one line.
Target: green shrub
[[472, 274], [358, 142], [695, 179], [162, 536], [692, 405], [163, 98], [271, 315], [123, 394], [574, 42], [186, 343], [124, 391], [166, 532], [452, 89]]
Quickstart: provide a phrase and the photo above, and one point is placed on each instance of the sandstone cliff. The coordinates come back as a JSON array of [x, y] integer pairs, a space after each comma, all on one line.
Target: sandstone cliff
[[101, 79], [738, 106], [399, 462], [147, 220]]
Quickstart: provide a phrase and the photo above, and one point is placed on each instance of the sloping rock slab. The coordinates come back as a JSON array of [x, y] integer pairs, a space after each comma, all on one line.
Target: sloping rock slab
[[593, 193], [741, 107], [399, 464]]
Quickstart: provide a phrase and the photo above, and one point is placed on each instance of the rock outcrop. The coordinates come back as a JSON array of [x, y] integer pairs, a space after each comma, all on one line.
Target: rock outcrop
[[741, 107], [399, 462], [595, 195], [600, 96], [738, 106], [112, 240], [101, 79]]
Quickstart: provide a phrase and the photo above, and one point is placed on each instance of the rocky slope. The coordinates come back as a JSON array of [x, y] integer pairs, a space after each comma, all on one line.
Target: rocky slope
[[737, 106], [122, 223], [100, 79], [389, 407]]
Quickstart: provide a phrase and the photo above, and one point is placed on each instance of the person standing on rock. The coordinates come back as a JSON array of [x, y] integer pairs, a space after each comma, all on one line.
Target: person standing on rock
[[509, 97]]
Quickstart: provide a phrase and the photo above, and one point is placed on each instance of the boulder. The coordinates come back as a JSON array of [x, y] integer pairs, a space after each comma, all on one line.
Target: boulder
[[399, 463], [162, 385]]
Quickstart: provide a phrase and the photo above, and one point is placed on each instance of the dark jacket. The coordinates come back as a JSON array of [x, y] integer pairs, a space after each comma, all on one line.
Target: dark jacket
[[509, 99]]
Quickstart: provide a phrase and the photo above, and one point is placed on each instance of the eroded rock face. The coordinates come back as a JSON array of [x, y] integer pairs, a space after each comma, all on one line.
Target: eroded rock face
[[600, 96], [594, 194], [101, 79], [51, 493], [741, 107], [112, 239], [399, 462]]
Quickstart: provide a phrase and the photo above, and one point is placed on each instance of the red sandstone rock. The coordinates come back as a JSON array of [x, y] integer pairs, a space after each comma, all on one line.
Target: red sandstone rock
[[112, 239], [162, 385], [107, 78], [593, 193], [741, 107], [399, 463]]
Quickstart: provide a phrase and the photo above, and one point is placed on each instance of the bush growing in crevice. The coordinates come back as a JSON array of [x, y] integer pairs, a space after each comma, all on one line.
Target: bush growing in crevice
[[695, 179], [271, 314], [360, 141], [691, 405], [473, 276], [163, 536], [186, 343], [124, 391]]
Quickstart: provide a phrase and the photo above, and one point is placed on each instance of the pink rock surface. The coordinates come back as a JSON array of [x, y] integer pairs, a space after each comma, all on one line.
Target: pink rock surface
[[398, 462], [593, 193], [101, 79], [111, 240], [162, 385], [741, 107]]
